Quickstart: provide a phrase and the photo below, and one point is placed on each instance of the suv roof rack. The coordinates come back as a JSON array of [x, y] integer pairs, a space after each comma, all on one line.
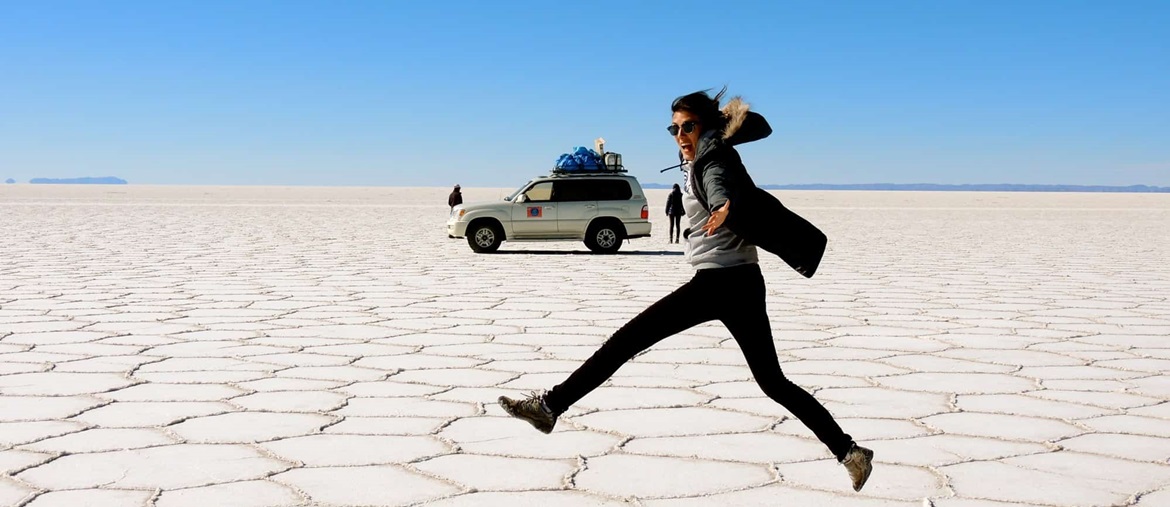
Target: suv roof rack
[[605, 171], [610, 164]]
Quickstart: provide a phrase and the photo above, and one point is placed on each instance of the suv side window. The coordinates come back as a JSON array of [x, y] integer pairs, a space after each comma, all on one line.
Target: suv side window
[[610, 190], [540, 192], [572, 190]]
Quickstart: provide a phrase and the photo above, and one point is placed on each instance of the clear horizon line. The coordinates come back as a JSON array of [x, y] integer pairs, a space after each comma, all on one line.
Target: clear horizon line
[[656, 185]]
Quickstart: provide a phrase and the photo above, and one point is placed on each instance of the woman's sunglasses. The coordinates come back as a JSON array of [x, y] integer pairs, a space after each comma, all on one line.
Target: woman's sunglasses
[[687, 127]]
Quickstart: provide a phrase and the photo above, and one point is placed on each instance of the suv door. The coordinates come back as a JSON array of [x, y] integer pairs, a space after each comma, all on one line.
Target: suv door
[[576, 204], [537, 215]]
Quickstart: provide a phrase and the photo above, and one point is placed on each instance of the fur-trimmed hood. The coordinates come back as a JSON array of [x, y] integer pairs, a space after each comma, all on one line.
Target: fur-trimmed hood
[[743, 125]]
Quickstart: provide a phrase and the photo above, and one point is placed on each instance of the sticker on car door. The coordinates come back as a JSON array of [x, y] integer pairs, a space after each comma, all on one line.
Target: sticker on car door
[[535, 211]]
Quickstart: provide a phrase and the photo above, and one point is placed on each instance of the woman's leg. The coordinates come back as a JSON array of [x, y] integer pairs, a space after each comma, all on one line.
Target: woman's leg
[[746, 316], [678, 311]]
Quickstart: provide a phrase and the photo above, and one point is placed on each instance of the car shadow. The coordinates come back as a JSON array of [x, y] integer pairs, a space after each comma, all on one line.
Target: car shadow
[[582, 252]]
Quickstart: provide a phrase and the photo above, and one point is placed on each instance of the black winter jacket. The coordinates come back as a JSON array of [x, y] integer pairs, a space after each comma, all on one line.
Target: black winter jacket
[[755, 215], [674, 205]]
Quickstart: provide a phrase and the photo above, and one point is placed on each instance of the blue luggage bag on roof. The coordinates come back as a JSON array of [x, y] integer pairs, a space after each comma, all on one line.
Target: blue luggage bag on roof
[[581, 159]]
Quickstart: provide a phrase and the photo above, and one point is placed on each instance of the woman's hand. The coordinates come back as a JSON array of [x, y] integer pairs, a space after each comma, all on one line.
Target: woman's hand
[[717, 218]]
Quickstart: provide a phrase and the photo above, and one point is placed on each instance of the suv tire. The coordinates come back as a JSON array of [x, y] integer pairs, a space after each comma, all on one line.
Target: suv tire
[[605, 236], [484, 237]]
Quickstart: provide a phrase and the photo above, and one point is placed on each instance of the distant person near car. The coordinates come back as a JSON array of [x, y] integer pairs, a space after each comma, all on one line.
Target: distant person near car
[[728, 285], [456, 198], [675, 212]]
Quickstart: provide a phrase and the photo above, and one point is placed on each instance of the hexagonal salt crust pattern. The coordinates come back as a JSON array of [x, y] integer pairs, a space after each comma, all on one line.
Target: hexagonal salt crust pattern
[[177, 347]]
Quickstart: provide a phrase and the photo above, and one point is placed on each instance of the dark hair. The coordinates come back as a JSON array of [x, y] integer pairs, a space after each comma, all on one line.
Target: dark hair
[[704, 106], [676, 186]]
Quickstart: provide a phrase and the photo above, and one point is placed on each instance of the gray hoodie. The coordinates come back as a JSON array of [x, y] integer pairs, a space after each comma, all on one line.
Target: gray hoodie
[[723, 249]]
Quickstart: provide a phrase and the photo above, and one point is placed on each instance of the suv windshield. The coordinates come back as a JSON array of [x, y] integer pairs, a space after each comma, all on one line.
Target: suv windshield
[[517, 192]]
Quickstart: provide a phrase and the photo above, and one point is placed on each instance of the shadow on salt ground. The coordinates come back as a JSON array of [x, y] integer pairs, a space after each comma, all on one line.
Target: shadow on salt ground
[[580, 252]]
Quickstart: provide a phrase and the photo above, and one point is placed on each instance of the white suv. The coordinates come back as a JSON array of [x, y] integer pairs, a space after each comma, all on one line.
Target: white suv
[[602, 209]]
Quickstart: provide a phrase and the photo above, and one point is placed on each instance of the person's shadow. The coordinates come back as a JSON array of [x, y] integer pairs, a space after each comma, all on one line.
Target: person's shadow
[[583, 252]]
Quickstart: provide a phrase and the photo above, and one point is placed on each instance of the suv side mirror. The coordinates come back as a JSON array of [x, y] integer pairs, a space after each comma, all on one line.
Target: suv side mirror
[[522, 198]]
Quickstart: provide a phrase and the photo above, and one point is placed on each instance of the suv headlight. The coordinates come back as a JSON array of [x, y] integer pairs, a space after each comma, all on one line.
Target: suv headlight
[[462, 212]]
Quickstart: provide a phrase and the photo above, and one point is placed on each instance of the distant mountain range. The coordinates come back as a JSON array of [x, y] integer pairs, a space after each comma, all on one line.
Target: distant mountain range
[[103, 180], [1001, 187]]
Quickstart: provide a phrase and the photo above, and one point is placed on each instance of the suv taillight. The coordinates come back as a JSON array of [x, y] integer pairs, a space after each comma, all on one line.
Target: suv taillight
[[645, 211]]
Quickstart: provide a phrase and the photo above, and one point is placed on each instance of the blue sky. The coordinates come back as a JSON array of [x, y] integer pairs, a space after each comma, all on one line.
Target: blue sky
[[490, 93]]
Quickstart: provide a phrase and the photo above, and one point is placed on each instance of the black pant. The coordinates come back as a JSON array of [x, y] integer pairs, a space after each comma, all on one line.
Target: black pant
[[675, 226], [735, 297]]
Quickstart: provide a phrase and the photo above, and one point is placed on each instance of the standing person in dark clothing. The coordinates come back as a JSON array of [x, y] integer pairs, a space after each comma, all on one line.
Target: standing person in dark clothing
[[675, 212], [455, 199], [727, 286]]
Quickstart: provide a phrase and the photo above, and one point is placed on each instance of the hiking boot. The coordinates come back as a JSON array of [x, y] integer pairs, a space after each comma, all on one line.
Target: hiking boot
[[858, 462], [531, 409]]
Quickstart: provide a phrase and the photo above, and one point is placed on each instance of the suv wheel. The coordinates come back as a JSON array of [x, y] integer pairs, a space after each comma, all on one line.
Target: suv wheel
[[605, 237], [484, 237]]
